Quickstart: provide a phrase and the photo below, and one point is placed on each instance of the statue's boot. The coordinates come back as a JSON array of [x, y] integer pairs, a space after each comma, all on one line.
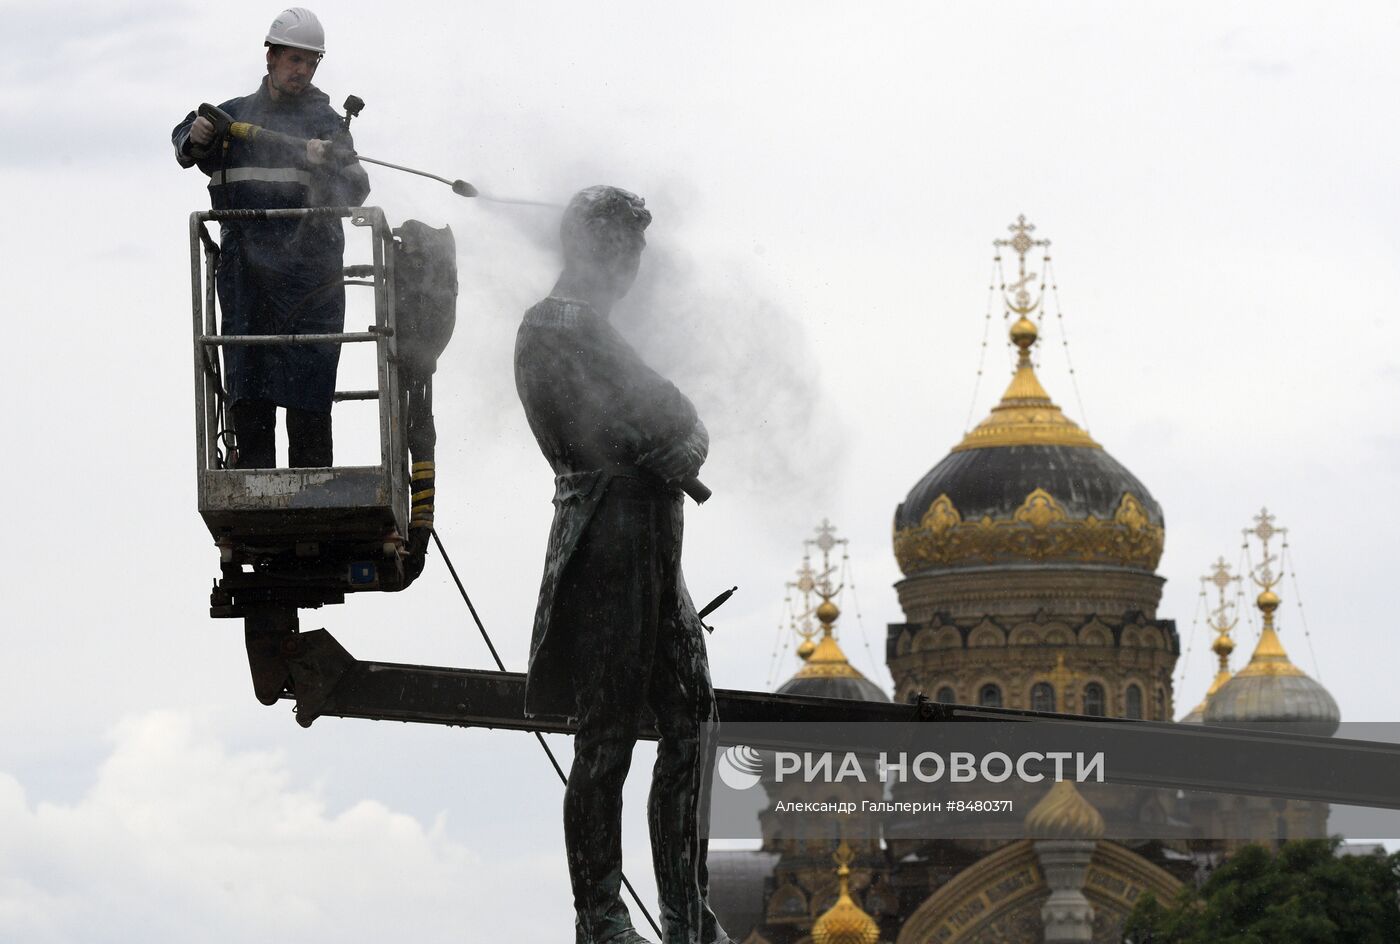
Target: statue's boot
[[602, 918], [629, 936]]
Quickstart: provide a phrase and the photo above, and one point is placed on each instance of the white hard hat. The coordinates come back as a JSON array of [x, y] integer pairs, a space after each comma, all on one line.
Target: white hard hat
[[297, 27]]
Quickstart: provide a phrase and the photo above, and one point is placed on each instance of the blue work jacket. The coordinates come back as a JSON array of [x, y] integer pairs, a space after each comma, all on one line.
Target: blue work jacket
[[279, 276]]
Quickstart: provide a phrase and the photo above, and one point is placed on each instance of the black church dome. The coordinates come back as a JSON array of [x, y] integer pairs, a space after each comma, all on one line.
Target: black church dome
[[1027, 484]]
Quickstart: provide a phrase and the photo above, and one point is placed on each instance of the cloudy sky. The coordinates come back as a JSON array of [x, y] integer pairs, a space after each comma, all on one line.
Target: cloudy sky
[[1219, 183]]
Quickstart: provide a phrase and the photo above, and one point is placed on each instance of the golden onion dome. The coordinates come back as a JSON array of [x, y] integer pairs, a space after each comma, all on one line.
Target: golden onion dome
[[1027, 484], [827, 673], [1272, 690], [1063, 813], [845, 922]]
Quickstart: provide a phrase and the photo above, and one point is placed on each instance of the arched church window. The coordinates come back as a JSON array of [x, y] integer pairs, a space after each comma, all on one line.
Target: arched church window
[[1093, 699], [1042, 697], [946, 696], [1134, 706], [989, 696]]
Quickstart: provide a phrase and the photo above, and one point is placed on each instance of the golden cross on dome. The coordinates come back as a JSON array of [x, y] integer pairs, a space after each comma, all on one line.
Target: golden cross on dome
[[806, 580], [1264, 525], [826, 541], [1222, 619], [805, 584], [1221, 575], [1018, 297], [1265, 530]]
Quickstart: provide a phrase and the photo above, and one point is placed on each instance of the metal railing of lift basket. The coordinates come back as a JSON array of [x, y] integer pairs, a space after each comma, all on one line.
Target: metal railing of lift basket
[[211, 398]]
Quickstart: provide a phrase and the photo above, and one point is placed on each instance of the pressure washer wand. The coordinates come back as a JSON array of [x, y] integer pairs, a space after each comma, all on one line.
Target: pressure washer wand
[[459, 187]]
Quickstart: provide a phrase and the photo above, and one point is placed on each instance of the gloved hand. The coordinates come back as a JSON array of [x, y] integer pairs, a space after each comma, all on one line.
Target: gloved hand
[[202, 138], [329, 154], [202, 132]]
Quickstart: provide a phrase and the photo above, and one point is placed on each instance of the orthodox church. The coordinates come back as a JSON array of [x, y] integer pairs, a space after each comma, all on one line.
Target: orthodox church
[[1029, 559]]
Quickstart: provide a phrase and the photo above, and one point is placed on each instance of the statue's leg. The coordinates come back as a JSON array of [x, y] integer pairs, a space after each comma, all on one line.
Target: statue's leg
[[610, 598], [593, 823], [678, 810]]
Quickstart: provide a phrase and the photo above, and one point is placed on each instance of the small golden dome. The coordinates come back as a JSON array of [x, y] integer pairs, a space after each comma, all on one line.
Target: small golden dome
[[828, 611], [1026, 416], [845, 922], [1223, 646], [826, 660], [804, 651], [1268, 601], [1063, 813], [1270, 658]]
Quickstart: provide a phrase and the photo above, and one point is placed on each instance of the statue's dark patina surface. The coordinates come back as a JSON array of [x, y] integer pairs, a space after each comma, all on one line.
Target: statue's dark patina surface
[[615, 629]]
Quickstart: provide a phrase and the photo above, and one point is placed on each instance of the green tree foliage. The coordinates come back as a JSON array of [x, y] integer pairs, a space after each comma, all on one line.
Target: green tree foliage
[[1303, 894]]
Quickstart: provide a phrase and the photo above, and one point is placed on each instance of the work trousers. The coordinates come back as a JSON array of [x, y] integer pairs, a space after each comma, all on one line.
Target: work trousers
[[630, 651], [254, 425]]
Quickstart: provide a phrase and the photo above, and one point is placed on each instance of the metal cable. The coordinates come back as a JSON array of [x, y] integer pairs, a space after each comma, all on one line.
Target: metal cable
[[849, 581], [1286, 563], [1064, 339], [779, 640], [1191, 639], [992, 280], [563, 778]]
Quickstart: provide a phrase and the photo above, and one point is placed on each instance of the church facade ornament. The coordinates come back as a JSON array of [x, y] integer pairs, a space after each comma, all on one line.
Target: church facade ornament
[[1040, 530]]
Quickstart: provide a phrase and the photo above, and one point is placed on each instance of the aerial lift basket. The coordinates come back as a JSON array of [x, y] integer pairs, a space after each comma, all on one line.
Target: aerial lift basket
[[301, 535]]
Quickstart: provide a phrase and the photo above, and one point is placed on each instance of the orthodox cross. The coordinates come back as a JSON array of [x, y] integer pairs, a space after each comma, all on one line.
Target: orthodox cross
[[805, 584], [1018, 297], [1224, 617], [826, 541], [1264, 529]]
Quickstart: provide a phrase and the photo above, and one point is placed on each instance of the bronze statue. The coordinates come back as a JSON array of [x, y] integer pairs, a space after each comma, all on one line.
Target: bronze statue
[[615, 629]]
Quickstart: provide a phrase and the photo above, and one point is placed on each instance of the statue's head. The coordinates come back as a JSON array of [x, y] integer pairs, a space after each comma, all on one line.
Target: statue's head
[[603, 237]]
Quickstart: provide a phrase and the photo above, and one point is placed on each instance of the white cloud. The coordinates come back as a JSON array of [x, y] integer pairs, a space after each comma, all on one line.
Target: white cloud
[[179, 839]]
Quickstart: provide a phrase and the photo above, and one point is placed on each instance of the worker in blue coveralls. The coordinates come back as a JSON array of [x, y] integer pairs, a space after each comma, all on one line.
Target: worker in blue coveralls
[[280, 276]]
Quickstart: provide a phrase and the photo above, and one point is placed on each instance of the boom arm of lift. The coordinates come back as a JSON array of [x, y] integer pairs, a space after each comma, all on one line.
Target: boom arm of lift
[[324, 679]]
